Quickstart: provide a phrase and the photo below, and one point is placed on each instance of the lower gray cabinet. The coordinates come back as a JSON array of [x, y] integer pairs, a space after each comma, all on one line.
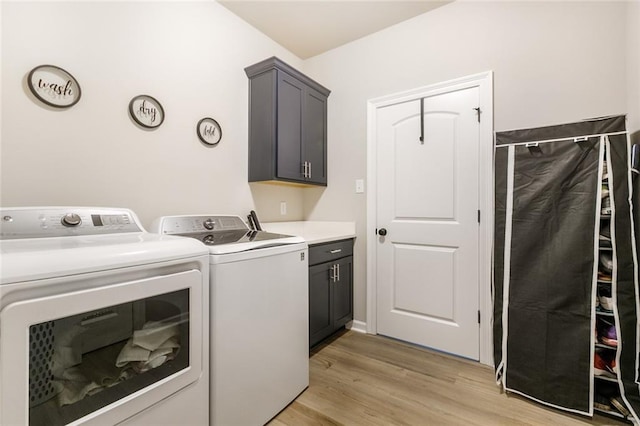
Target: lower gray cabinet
[[330, 288]]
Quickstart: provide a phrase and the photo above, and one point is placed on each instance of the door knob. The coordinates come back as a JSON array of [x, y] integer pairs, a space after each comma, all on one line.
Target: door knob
[[382, 232]]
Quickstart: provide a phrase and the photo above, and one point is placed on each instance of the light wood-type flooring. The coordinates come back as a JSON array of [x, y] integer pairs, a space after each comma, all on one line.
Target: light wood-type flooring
[[360, 379]]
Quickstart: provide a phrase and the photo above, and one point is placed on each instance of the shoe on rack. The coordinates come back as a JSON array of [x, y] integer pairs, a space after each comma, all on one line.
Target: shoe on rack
[[604, 276], [605, 230], [602, 403], [604, 363], [607, 334], [600, 366], [605, 301], [619, 405], [606, 261], [610, 341], [606, 205]]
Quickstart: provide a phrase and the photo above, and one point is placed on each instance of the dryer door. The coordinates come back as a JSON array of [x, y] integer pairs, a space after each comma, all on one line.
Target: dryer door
[[99, 354]]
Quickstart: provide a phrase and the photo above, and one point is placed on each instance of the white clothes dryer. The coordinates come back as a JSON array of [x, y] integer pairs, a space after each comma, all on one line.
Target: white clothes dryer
[[100, 322], [259, 316]]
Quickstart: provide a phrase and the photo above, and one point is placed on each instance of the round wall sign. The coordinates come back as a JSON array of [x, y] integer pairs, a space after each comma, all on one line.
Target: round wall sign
[[146, 111], [54, 86], [209, 131]]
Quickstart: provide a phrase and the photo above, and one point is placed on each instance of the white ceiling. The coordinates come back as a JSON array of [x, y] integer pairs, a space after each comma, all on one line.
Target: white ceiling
[[311, 27]]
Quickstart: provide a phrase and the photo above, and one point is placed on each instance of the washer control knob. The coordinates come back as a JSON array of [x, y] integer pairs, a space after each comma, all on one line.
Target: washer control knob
[[71, 219], [209, 223], [208, 240]]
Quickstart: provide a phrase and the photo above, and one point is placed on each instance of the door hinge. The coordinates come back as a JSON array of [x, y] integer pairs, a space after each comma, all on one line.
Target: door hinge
[[478, 112], [478, 316], [478, 216]]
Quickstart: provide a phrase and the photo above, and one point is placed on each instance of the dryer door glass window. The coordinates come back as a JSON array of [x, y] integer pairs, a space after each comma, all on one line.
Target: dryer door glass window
[[82, 363]]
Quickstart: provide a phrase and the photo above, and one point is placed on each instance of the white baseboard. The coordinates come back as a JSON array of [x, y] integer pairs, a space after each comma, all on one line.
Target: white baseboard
[[359, 326]]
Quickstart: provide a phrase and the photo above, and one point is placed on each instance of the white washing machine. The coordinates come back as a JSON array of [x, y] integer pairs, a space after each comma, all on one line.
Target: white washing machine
[[259, 316], [100, 322]]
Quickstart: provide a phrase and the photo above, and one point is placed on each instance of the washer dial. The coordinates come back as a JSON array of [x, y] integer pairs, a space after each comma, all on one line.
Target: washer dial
[[71, 219]]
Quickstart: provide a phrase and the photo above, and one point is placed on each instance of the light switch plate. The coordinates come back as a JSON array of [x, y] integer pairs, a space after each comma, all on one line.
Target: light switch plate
[[359, 186]]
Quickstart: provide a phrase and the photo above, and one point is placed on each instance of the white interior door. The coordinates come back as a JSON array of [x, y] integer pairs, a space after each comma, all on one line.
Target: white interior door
[[427, 202]]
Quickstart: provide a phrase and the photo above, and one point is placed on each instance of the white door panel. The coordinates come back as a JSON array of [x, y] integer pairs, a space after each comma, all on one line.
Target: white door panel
[[427, 271], [420, 273], [435, 160]]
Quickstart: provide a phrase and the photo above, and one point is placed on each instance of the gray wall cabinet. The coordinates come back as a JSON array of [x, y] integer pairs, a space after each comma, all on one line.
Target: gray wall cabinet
[[330, 288], [287, 125]]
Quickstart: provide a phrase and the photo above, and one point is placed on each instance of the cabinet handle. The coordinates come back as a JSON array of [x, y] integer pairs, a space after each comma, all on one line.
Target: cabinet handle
[[334, 275], [334, 272], [309, 170], [304, 169], [335, 251]]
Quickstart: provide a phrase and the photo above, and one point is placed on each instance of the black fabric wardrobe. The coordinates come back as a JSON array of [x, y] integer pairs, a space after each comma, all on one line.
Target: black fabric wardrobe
[[551, 189]]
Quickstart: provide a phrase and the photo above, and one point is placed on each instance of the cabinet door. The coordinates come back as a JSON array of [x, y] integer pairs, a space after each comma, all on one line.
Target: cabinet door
[[289, 121], [262, 126], [320, 320], [314, 148], [342, 297]]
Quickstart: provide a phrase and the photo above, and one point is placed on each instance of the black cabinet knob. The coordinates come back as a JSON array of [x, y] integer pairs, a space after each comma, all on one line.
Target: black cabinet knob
[[382, 232]]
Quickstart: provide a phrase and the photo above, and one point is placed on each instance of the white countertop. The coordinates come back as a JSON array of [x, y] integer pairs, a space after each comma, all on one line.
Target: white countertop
[[314, 232]]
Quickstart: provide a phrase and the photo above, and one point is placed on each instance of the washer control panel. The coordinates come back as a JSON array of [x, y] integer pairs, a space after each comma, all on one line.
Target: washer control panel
[[171, 225], [42, 222]]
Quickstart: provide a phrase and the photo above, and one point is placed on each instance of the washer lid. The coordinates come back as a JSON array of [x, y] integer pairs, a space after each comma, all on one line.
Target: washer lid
[[214, 238], [252, 240], [222, 234]]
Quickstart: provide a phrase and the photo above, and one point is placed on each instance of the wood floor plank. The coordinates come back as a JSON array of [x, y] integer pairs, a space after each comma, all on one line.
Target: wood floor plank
[[359, 379]]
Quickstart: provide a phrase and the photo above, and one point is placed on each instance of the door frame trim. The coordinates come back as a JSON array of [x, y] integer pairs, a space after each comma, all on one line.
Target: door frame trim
[[484, 82]]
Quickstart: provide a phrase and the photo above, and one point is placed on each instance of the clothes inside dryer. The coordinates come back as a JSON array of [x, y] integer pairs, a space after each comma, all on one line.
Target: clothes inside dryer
[[80, 363]]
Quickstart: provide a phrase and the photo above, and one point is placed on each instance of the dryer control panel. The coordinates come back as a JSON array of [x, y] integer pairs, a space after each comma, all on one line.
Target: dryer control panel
[[43, 222], [181, 225]]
